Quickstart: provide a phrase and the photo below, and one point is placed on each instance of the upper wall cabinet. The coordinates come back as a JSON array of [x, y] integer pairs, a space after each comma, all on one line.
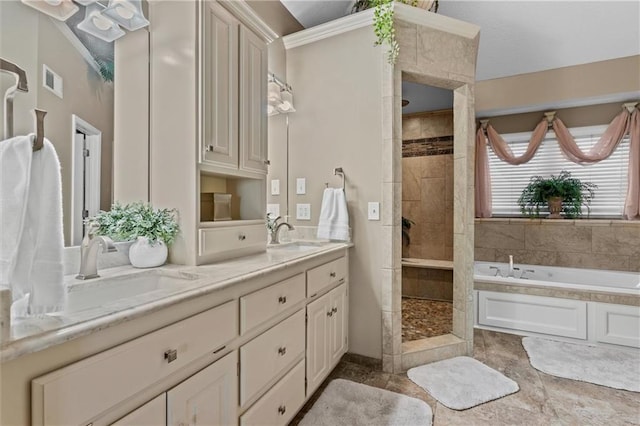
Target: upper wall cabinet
[[234, 95]]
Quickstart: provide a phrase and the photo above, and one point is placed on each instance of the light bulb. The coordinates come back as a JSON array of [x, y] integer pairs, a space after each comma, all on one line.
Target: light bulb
[[125, 9], [100, 21]]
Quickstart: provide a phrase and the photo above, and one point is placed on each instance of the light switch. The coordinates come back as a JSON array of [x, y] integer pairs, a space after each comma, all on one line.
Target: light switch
[[303, 211], [301, 186], [275, 187], [273, 210], [374, 211]]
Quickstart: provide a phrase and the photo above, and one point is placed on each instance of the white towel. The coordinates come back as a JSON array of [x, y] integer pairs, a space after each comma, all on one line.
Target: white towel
[[31, 242], [334, 216]]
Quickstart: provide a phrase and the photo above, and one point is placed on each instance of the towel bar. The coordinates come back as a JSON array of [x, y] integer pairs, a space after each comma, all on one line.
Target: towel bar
[[338, 171]]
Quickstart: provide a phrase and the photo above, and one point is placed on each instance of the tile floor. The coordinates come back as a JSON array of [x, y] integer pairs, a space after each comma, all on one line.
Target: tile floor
[[425, 318], [542, 399]]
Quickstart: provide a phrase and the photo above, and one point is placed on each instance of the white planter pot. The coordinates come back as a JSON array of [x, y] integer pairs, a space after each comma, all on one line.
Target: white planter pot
[[143, 254]]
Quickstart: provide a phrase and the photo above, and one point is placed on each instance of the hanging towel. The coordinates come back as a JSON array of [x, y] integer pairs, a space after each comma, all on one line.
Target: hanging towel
[[31, 241], [334, 216]]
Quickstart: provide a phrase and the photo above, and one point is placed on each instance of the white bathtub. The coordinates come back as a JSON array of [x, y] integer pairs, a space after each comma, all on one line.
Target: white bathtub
[[569, 278], [597, 306]]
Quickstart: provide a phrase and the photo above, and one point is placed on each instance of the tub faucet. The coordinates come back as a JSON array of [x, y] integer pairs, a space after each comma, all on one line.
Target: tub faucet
[[89, 253], [510, 274], [276, 229]]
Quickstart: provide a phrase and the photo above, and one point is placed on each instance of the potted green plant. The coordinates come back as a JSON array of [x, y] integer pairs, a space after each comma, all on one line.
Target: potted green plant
[[152, 229], [383, 20], [560, 193]]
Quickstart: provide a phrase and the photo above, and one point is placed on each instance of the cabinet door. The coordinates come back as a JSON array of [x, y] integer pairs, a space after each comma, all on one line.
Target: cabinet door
[[210, 397], [220, 87], [253, 102], [318, 343], [339, 322], [153, 413]]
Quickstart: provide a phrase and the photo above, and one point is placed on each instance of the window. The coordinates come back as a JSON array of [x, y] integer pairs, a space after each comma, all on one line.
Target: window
[[508, 181]]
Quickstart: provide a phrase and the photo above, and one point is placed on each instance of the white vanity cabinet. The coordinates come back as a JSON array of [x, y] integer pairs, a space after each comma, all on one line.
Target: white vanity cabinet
[[254, 359], [234, 94]]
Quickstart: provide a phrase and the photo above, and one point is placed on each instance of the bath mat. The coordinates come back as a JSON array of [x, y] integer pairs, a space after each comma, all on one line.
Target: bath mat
[[344, 402], [462, 382], [614, 368]]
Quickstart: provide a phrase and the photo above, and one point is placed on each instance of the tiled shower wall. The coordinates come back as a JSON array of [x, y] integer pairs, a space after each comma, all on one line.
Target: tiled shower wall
[[427, 200], [593, 244]]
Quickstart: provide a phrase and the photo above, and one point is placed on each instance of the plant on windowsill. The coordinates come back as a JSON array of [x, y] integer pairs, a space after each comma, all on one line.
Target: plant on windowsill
[[383, 20], [561, 193], [152, 229]]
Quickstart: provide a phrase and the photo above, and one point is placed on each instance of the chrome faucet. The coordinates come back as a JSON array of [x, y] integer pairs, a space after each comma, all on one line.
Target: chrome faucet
[[89, 253], [275, 228]]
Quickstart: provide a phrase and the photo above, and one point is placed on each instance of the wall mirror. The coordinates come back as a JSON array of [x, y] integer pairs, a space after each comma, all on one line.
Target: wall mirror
[[73, 76]]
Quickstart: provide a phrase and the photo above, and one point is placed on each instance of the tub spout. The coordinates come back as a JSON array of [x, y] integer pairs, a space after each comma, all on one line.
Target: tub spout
[[510, 266]]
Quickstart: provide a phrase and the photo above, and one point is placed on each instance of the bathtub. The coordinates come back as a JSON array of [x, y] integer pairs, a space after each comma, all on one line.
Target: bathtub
[[596, 306]]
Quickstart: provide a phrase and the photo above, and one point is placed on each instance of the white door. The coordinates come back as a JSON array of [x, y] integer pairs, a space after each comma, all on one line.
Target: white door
[[209, 397], [153, 413], [339, 323], [318, 356]]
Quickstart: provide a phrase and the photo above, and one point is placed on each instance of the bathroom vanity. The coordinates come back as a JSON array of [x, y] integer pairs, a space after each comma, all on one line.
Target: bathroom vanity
[[245, 341]]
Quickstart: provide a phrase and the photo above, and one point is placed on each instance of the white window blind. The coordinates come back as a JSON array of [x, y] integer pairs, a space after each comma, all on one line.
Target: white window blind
[[508, 181]]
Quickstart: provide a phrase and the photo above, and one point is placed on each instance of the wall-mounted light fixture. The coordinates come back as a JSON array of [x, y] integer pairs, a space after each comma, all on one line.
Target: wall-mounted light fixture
[[100, 21], [279, 96]]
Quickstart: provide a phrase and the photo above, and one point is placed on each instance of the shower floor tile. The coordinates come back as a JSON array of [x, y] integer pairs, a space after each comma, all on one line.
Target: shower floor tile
[[425, 318]]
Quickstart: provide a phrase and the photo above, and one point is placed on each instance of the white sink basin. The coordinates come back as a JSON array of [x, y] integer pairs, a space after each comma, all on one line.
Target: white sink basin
[[105, 291], [298, 245]]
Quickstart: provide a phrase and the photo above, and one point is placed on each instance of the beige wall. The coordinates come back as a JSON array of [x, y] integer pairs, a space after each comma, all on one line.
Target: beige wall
[[595, 244], [427, 125], [85, 93], [331, 129], [593, 80]]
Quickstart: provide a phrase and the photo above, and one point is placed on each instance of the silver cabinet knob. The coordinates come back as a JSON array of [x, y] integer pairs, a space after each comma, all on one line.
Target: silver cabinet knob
[[332, 274], [242, 237], [282, 351], [282, 300], [282, 409], [208, 148], [330, 313], [334, 310], [267, 162], [171, 355]]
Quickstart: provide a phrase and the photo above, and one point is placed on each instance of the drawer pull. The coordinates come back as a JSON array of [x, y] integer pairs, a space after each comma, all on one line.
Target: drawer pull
[[334, 310], [330, 313], [242, 237], [282, 409], [218, 350], [282, 351], [282, 300], [209, 148], [332, 274], [171, 355], [341, 280]]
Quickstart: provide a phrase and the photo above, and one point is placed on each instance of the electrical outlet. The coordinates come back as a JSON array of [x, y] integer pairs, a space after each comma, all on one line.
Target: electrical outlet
[[301, 186], [374, 211], [273, 210], [275, 187], [303, 211]]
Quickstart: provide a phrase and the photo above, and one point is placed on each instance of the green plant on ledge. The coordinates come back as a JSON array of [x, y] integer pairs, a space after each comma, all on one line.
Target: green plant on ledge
[[127, 222], [561, 193], [383, 21]]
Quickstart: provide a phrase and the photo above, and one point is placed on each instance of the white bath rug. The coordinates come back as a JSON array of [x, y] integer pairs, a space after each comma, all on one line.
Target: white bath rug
[[462, 382], [615, 368], [344, 402]]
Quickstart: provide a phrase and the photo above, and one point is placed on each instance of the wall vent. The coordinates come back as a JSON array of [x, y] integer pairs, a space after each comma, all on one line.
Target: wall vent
[[52, 81]]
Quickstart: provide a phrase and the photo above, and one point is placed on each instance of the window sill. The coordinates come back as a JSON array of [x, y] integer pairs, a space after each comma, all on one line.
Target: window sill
[[575, 222]]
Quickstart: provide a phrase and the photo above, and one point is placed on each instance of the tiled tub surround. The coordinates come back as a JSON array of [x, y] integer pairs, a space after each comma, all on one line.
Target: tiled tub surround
[[30, 335], [586, 304], [580, 243]]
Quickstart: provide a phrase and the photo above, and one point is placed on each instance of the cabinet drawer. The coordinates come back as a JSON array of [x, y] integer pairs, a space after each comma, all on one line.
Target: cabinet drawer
[[260, 306], [279, 405], [236, 238], [77, 393], [323, 276], [269, 354]]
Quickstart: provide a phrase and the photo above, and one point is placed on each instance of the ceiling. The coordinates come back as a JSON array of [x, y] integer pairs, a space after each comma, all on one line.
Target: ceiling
[[520, 37]]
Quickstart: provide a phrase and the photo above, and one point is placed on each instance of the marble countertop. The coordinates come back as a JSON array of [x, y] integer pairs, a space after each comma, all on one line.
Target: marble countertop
[[30, 335]]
